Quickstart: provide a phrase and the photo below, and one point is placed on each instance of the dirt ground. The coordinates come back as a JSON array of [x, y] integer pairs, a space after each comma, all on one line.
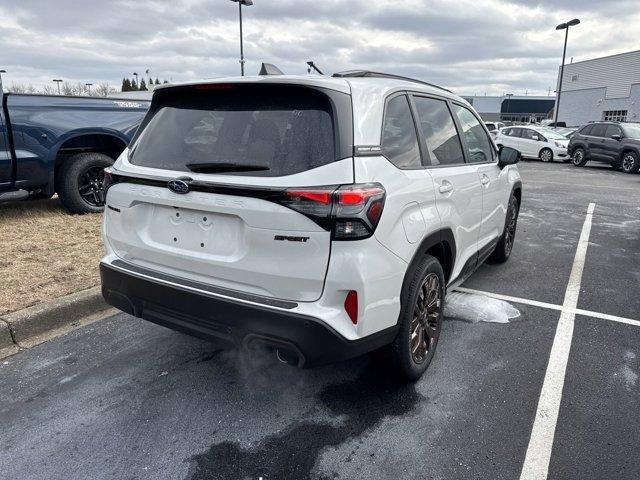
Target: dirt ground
[[45, 252]]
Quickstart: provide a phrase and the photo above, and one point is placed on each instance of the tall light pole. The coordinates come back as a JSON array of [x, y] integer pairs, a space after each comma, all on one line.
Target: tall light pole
[[563, 26], [246, 3], [135, 74], [88, 85], [58, 82], [1, 72]]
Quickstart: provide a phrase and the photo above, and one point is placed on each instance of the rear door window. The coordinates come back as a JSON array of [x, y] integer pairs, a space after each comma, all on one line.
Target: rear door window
[[515, 132], [257, 130], [399, 138], [586, 130], [612, 130], [598, 130], [439, 131]]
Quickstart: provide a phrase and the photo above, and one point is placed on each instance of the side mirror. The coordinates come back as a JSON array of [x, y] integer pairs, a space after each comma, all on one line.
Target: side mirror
[[508, 156], [616, 136]]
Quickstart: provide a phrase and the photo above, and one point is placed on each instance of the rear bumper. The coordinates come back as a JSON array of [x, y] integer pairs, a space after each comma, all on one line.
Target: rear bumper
[[236, 323]]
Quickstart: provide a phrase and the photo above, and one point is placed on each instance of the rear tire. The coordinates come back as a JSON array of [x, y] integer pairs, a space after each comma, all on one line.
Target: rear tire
[[421, 313], [504, 247], [546, 155], [79, 182], [579, 158], [630, 162]]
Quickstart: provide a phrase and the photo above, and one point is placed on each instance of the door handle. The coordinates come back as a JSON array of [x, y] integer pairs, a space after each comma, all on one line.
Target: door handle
[[445, 187], [485, 180]]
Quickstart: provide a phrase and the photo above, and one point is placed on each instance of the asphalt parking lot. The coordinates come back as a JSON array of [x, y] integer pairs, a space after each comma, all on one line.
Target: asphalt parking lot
[[122, 398]]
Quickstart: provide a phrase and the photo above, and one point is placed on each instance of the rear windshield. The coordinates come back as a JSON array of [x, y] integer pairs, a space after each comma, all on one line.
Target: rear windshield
[[260, 130]]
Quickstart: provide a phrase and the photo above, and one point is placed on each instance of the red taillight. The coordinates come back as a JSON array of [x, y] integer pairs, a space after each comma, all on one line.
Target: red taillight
[[357, 196], [351, 306], [351, 212], [323, 197]]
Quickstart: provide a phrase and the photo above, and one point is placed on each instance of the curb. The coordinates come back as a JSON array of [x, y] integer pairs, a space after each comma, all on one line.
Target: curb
[[33, 325]]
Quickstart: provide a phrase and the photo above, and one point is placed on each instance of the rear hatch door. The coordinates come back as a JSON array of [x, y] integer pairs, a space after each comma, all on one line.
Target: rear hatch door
[[238, 150]]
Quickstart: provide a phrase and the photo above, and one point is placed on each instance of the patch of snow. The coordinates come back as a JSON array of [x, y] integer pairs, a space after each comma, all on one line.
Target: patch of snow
[[474, 308]]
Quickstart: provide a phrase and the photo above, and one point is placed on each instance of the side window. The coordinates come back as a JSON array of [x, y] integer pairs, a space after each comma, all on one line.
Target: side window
[[439, 131], [506, 131], [399, 139], [598, 130], [586, 130], [612, 130], [528, 134], [478, 143], [516, 132], [490, 126]]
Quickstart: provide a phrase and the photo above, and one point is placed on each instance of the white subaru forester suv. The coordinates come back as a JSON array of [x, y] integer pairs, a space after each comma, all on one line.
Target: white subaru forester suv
[[319, 217]]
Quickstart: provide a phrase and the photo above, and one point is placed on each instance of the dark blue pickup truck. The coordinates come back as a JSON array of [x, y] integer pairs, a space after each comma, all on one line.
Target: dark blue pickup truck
[[58, 144]]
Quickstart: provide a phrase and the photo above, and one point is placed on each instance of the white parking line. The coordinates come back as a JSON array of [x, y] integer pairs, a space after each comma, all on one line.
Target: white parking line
[[589, 185], [552, 306], [536, 462]]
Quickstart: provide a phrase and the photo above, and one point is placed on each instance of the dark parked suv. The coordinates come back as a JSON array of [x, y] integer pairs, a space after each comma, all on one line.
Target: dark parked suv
[[616, 143]]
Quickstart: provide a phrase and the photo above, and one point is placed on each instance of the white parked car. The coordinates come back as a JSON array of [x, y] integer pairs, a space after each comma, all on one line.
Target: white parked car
[[494, 127], [535, 142], [320, 217]]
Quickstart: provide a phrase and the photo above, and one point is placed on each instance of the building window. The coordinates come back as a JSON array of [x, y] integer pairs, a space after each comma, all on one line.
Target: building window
[[614, 115], [574, 78]]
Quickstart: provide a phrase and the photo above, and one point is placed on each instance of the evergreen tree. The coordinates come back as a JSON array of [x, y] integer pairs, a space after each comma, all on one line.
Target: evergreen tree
[[165, 81], [123, 87], [126, 85], [143, 85], [157, 81], [134, 85]]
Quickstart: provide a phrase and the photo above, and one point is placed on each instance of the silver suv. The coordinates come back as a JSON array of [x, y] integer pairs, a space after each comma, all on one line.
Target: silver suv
[[321, 217]]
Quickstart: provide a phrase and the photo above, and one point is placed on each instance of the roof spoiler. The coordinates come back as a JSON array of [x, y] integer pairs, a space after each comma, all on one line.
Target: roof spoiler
[[269, 69]]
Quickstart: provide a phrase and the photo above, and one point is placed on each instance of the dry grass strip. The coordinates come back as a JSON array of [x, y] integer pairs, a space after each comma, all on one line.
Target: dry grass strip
[[45, 252]]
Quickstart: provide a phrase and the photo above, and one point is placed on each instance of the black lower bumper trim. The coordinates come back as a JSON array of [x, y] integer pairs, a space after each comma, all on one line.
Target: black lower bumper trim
[[235, 323]]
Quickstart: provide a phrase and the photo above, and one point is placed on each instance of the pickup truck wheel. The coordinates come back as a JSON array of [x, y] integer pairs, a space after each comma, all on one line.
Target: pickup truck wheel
[[579, 158], [630, 163], [503, 249], [421, 313], [79, 182]]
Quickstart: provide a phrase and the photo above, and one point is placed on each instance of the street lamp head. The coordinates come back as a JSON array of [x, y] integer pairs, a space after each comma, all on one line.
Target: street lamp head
[[568, 24], [3, 71], [57, 80], [246, 3]]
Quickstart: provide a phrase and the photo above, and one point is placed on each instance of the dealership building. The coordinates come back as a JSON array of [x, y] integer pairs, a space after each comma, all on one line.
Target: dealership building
[[606, 88], [512, 108]]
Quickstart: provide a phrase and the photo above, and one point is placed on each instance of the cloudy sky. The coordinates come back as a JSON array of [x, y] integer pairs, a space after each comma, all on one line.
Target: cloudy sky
[[473, 47]]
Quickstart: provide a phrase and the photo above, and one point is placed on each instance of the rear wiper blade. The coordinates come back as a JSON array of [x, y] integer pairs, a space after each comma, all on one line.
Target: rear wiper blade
[[210, 167]]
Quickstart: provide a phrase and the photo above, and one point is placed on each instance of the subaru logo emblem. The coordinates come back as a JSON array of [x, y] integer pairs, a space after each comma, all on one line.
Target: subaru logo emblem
[[178, 186]]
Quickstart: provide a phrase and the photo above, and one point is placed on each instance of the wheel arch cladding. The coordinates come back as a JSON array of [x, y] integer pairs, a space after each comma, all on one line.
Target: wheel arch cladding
[[628, 149], [517, 192], [105, 143], [440, 245]]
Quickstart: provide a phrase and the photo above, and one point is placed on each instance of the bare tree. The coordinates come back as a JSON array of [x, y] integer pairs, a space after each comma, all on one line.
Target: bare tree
[[103, 89], [17, 88], [48, 90], [68, 89]]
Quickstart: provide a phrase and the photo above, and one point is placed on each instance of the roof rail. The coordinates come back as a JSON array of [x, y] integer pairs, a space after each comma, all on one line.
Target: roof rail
[[369, 73]]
